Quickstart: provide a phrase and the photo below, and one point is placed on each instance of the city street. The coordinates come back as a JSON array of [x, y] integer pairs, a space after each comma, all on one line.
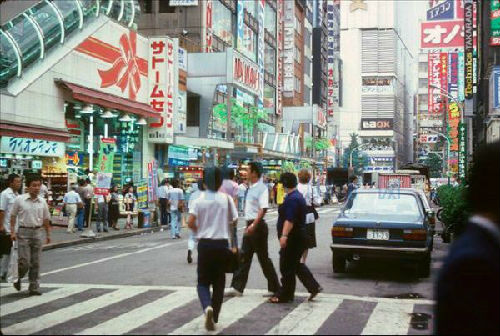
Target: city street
[[143, 285]]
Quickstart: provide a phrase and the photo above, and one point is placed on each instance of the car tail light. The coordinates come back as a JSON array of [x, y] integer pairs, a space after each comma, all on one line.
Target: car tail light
[[339, 231], [418, 234], [432, 220]]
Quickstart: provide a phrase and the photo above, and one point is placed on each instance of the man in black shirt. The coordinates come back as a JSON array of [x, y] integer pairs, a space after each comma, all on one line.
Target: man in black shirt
[[291, 234]]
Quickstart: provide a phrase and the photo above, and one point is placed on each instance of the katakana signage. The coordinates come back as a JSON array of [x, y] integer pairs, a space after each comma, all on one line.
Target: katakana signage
[[444, 10], [331, 87], [107, 150], [435, 104], [453, 121], [462, 153], [279, 57], [453, 74], [442, 34], [494, 22], [34, 147]]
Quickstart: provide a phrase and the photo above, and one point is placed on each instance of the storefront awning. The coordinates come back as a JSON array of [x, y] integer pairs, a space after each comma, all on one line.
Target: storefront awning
[[92, 96], [33, 132]]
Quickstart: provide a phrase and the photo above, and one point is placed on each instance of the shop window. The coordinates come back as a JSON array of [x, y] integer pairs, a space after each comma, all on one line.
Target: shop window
[[222, 22], [297, 85], [166, 8]]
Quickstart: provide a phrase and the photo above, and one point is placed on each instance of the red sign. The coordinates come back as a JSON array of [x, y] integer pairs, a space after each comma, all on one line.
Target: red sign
[[208, 25], [443, 75], [434, 76], [246, 73], [442, 34]]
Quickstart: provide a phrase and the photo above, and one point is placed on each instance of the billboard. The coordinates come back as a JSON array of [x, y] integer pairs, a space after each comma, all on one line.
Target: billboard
[[494, 22], [434, 73], [376, 124], [453, 74], [444, 10], [442, 34], [330, 24]]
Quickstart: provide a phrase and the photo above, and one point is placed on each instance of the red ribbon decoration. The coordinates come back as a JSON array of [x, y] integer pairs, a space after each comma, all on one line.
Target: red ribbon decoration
[[124, 71]]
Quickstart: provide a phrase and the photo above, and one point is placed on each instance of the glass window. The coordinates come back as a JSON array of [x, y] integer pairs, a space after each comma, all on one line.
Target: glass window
[[396, 206], [251, 7], [89, 7], [70, 15], [23, 32], [269, 59], [270, 20], [47, 19], [249, 43], [222, 22], [269, 98], [8, 60], [296, 55], [297, 85]]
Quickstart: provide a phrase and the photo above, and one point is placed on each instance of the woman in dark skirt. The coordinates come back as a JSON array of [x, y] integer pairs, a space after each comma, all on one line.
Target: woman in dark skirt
[[114, 207], [312, 199]]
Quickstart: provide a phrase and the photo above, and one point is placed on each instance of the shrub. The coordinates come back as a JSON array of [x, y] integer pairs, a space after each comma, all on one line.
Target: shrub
[[455, 207]]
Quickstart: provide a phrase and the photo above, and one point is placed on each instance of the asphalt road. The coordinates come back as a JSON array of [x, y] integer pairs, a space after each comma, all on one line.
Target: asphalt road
[[143, 285]]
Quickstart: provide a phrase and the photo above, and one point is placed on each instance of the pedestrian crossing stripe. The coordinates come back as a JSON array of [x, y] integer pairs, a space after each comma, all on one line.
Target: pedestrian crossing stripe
[[389, 316]]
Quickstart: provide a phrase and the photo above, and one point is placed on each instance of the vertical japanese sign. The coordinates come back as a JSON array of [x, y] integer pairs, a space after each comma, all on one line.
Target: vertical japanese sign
[[461, 77], [462, 153], [453, 74], [152, 181], [494, 22], [207, 27], [330, 25], [453, 121], [279, 57], [240, 23], [468, 48], [443, 76], [161, 96], [261, 53], [106, 155], [288, 48], [434, 72]]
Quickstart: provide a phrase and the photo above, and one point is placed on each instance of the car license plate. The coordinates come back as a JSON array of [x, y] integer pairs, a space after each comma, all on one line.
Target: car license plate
[[377, 234]]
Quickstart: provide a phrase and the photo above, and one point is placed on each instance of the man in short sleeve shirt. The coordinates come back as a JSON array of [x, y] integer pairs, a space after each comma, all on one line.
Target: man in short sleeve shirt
[[7, 198], [31, 213], [255, 237]]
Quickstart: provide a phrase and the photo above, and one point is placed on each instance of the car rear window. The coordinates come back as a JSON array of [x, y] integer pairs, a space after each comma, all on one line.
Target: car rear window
[[393, 205]]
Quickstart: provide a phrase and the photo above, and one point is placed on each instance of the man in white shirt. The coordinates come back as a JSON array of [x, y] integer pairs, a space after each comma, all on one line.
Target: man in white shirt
[[256, 233], [31, 212], [162, 199], [7, 198], [72, 201], [175, 197]]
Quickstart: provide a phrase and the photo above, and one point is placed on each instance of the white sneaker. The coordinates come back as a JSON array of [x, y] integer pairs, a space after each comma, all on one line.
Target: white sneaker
[[234, 293], [209, 319]]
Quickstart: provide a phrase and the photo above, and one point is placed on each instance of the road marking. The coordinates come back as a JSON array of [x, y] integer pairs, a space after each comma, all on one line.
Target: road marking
[[29, 302], [332, 210], [142, 315], [389, 319], [45, 321], [306, 318], [232, 310]]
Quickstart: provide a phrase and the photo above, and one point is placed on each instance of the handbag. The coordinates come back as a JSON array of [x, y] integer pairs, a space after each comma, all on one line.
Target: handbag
[[311, 208], [233, 254]]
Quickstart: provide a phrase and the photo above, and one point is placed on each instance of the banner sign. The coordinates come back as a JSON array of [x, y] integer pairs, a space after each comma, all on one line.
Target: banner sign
[[453, 121], [207, 27], [469, 48], [288, 47], [107, 150], [330, 24], [376, 124], [260, 51], [453, 74], [142, 195], [443, 76], [494, 22], [462, 153], [240, 19], [442, 34], [434, 72], [279, 57], [152, 181], [29, 146], [461, 77], [494, 94], [445, 10], [103, 183]]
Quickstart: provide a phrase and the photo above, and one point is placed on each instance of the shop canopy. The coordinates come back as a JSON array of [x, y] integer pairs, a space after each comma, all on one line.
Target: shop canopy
[[32, 132], [110, 101]]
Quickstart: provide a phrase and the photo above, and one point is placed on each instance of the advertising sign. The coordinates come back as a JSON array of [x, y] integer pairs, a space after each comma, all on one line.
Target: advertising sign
[[428, 138], [461, 77], [245, 73], [107, 150], [494, 97], [279, 57], [444, 10], [142, 195], [152, 181], [182, 153], [29, 146], [182, 59], [453, 74], [376, 124], [330, 24], [162, 73], [494, 22], [207, 27], [453, 121], [103, 183], [469, 49], [260, 50], [240, 26], [434, 72], [442, 34], [462, 153], [288, 47], [184, 3]]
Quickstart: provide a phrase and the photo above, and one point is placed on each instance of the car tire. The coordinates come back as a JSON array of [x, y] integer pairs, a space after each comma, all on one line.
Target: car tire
[[339, 264], [424, 267]]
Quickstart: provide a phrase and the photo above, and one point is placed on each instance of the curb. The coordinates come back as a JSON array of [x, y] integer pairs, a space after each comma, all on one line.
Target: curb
[[99, 238]]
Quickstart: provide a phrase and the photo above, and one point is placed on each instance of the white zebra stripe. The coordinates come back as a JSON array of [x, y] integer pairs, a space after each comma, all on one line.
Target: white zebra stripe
[[142, 315], [389, 319]]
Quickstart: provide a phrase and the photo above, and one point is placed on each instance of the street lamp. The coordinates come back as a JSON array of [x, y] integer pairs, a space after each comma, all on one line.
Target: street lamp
[[448, 141]]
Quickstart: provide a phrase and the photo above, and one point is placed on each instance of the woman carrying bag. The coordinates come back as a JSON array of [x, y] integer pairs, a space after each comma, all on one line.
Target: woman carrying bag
[[210, 219], [312, 199]]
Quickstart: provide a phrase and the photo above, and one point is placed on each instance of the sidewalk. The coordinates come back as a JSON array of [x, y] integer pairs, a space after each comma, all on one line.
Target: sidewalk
[[60, 238]]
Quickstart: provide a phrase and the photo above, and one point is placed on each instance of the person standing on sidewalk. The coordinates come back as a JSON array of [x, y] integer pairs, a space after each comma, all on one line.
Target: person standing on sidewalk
[[256, 233], [80, 215], [162, 199], [72, 201], [209, 220], [102, 212], [129, 202], [114, 207], [89, 194], [242, 189], [230, 188], [7, 198], [198, 189], [175, 197], [31, 212], [292, 238], [312, 199]]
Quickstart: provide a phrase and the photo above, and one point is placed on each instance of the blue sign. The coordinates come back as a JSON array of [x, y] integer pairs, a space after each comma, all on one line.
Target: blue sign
[[443, 11], [494, 88], [177, 162]]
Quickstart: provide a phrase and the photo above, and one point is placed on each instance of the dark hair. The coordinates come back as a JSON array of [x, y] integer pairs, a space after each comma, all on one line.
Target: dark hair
[[88, 180], [32, 178], [483, 193], [352, 178], [256, 167], [228, 173], [200, 185], [289, 180], [212, 177], [11, 178], [175, 183], [81, 182]]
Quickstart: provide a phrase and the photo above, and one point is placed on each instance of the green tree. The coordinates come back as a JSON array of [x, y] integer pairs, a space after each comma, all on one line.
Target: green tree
[[435, 164], [359, 159]]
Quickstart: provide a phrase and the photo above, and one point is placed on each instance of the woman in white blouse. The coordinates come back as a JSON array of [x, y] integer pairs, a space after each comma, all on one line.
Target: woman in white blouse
[[209, 217], [312, 199]]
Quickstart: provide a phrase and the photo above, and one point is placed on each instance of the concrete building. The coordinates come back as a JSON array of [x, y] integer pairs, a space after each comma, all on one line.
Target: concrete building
[[381, 40]]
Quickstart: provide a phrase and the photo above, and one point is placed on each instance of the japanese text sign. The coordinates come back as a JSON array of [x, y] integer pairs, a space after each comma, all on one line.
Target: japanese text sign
[[29, 146], [453, 121], [442, 34], [434, 73], [494, 22], [106, 155], [444, 10]]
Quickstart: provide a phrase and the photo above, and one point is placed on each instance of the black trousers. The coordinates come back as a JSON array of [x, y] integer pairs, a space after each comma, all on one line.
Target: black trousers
[[87, 215], [290, 266], [256, 243], [212, 260], [163, 211]]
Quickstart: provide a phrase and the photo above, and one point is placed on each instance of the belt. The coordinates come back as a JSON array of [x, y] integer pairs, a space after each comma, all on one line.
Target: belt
[[32, 228]]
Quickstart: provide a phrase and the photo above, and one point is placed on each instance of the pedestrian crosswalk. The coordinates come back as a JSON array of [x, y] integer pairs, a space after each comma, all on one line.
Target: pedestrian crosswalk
[[87, 309]]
